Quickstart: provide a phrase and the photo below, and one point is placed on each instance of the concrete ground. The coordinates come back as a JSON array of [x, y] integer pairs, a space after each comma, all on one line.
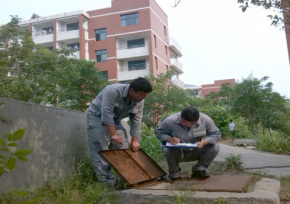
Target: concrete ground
[[265, 190]]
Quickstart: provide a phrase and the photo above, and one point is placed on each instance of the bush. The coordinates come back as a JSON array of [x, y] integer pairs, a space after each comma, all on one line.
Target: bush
[[242, 130], [219, 116], [79, 187], [277, 142], [150, 144]]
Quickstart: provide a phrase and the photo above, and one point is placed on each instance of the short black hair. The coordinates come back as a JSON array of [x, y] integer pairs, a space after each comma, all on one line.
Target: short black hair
[[141, 85], [190, 114]]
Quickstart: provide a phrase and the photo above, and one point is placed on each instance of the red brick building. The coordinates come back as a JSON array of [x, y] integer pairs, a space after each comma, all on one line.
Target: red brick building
[[127, 40], [206, 89]]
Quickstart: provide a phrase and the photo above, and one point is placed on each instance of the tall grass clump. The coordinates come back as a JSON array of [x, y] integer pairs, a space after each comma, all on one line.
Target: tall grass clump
[[78, 187], [277, 142], [150, 144]]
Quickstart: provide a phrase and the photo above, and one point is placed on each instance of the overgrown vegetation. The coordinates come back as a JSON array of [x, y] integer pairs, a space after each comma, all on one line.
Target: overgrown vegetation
[[285, 190], [79, 187]]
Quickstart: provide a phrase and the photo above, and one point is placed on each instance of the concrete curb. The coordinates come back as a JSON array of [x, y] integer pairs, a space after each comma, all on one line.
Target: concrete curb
[[265, 191]]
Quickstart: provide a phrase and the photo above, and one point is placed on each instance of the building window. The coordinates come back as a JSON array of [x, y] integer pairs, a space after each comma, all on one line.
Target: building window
[[48, 30], [100, 34], [136, 65], [104, 74], [72, 26], [166, 52], [129, 19], [136, 43], [164, 30], [101, 55], [73, 46], [155, 42], [156, 61]]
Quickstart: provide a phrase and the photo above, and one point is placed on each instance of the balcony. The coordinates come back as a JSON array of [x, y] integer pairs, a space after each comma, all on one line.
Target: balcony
[[177, 83], [176, 65], [124, 52], [125, 74], [63, 35], [175, 47], [41, 38]]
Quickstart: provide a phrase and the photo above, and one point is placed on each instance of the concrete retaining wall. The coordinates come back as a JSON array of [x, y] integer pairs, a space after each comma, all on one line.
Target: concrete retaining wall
[[55, 136]]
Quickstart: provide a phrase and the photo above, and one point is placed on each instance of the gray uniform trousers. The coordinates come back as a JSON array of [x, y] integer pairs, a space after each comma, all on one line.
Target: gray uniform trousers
[[99, 139], [204, 156]]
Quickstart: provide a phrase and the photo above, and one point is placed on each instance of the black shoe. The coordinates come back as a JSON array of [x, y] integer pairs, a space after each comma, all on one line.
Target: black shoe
[[169, 179], [200, 174]]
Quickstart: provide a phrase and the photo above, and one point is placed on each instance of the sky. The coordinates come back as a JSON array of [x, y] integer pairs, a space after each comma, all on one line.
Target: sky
[[218, 41]]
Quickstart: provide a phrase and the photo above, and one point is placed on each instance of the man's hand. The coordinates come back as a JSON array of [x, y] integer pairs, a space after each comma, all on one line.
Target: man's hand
[[202, 143], [135, 144], [117, 138], [173, 140]]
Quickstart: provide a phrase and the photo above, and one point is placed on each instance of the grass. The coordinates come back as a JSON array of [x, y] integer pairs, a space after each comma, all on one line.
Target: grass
[[78, 187], [285, 190]]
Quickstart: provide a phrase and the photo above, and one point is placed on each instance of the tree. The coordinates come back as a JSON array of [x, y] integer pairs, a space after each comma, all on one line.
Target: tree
[[42, 76], [163, 100], [254, 100], [277, 6]]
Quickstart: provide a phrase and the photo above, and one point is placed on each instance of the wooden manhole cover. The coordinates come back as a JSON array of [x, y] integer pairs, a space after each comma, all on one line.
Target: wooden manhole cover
[[134, 167]]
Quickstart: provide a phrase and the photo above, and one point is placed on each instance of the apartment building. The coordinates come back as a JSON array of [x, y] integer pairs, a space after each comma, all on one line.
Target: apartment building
[[206, 89], [127, 40]]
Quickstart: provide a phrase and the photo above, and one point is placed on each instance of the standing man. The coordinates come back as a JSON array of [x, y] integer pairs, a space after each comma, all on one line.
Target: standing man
[[188, 126], [104, 128], [232, 129]]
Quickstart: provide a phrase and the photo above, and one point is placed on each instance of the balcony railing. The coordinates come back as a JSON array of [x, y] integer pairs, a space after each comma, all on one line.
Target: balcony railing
[[175, 47], [125, 52], [175, 64], [39, 39], [124, 73], [67, 35], [178, 83]]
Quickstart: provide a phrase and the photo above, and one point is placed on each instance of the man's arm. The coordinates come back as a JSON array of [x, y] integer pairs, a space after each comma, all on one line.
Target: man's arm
[[213, 134], [107, 117], [162, 132]]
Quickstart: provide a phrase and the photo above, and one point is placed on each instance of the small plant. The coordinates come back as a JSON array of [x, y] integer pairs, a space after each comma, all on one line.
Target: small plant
[[8, 149], [8, 152], [233, 162], [221, 201]]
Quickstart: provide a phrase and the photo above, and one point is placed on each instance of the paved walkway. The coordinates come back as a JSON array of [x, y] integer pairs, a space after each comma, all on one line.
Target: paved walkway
[[257, 161]]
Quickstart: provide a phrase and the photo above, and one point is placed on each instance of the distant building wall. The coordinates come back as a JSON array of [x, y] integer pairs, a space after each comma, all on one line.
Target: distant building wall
[[206, 89], [55, 136]]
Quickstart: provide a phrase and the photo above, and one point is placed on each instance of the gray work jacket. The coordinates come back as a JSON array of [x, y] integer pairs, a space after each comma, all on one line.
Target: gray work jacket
[[112, 104], [205, 128]]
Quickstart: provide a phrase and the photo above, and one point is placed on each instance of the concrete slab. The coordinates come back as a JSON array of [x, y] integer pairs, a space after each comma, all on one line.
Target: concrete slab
[[265, 191], [244, 142], [236, 183]]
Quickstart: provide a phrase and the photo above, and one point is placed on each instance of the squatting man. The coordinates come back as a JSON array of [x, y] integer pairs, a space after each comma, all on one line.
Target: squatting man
[[188, 126], [104, 128]]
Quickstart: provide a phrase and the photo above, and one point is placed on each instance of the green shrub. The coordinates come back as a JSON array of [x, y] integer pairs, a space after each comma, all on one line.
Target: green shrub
[[277, 142], [241, 129], [219, 116], [150, 144]]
